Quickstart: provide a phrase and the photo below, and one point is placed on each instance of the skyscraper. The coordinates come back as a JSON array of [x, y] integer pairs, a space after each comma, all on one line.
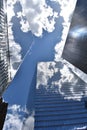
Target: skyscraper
[[75, 50], [4, 48], [4, 60]]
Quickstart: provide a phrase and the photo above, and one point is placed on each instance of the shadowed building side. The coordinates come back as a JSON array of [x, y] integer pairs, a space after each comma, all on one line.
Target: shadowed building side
[[75, 50], [3, 111]]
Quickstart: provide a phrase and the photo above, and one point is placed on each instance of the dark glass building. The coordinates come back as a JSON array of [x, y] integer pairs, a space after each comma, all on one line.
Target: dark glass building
[[3, 111], [75, 50]]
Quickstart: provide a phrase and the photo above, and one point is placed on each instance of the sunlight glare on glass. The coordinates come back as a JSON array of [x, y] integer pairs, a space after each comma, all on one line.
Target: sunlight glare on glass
[[78, 32]]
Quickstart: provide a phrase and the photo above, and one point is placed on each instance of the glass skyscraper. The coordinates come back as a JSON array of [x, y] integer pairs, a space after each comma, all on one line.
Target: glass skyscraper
[[75, 49], [4, 48]]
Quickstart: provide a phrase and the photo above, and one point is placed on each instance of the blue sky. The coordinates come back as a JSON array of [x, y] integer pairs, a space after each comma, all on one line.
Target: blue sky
[[37, 33]]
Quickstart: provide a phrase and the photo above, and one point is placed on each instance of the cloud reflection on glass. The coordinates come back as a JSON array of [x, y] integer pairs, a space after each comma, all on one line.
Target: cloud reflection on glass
[[56, 76]]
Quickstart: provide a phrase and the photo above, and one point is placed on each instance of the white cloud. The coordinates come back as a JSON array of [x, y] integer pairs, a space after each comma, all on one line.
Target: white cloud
[[67, 8], [14, 119], [15, 52], [14, 48], [42, 77], [23, 22], [10, 11], [59, 46], [29, 124], [39, 15]]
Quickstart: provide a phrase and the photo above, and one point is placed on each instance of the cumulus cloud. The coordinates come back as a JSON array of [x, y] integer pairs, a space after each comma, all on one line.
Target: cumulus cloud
[[14, 119], [10, 11], [15, 53], [67, 7], [44, 77], [56, 76], [40, 16], [29, 123], [23, 22], [59, 46], [14, 48]]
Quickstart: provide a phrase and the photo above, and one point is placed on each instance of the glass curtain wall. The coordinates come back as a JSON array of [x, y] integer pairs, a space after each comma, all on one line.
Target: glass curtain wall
[[4, 48]]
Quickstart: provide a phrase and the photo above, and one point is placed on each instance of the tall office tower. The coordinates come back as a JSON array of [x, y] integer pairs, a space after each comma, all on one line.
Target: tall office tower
[[4, 60], [59, 100], [59, 104], [75, 50], [4, 48]]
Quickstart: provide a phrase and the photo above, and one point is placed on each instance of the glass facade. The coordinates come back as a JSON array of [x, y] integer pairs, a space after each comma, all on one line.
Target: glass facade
[[75, 49], [4, 48]]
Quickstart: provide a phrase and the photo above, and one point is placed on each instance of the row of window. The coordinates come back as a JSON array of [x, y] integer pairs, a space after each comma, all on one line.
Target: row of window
[[4, 77]]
